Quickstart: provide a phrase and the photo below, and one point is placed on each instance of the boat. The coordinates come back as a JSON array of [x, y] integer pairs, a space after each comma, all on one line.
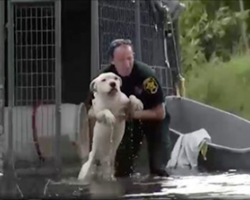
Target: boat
[[229, 148]]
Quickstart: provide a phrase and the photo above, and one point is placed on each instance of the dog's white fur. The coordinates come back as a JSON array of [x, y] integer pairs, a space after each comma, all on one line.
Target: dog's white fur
[[108, 107]]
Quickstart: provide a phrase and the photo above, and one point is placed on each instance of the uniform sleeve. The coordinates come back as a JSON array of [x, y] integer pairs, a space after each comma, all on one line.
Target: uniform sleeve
[[153, 89]]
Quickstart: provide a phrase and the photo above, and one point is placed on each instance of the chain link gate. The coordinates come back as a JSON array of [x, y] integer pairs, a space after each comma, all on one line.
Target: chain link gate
[[119, 19], [34, 80]]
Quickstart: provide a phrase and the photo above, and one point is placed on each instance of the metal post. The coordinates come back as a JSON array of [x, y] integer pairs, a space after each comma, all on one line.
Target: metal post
[[95, 52], [11, 63], [138, 30], [2, 62], [58, 83]]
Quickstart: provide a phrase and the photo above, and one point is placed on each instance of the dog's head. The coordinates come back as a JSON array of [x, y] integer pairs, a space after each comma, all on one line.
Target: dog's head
[[106, 83]]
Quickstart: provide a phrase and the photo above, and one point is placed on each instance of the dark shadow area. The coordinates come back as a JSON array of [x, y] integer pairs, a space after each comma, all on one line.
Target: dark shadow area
[[76, 43], [5, 60]]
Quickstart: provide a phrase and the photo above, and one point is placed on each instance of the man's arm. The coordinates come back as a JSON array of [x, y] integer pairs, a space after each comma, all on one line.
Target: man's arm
[[156, 113]]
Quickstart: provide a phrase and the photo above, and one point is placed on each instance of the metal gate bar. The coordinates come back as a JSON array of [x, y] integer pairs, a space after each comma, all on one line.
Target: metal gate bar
[[34, 75], [58, 77], [2, 64], [138, 30], [10, 160], [95, 52]]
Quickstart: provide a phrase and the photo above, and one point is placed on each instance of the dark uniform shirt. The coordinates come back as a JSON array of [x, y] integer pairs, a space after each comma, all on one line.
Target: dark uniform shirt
[[142, 83]]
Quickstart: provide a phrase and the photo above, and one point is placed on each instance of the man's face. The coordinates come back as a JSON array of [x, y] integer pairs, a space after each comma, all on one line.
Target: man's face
[[123, 59]]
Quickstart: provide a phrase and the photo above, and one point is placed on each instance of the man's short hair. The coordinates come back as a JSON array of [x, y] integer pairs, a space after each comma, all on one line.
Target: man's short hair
[[116, 43]]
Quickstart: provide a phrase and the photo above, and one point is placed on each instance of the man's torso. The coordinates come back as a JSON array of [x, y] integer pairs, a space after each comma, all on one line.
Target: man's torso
[[142, 83]]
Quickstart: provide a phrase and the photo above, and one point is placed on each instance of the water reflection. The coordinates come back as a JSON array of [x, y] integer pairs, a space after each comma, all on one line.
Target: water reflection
[[208, 186], [220, 186]]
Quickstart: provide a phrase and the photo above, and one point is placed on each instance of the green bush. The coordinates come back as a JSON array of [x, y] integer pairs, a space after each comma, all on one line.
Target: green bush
[[207, 34], [223, 85], [217, 73]]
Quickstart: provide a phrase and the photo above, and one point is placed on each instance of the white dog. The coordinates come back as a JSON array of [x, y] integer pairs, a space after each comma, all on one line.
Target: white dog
[[108, 107]]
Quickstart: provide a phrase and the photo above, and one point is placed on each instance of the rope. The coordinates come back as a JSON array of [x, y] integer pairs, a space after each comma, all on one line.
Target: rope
[[34, 131], [180, 86]]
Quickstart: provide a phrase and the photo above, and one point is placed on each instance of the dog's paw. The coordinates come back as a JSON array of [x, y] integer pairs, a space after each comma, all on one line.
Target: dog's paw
[[135, 103], [106, 117]]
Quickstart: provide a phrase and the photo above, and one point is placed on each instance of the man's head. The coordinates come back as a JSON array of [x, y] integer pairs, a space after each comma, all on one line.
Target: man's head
[[106, 83], [122, 56]]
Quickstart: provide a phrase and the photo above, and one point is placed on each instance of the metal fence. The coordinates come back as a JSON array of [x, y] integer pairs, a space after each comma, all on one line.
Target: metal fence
[[34, 72], [34, 67], [34, 49], [133, 20]]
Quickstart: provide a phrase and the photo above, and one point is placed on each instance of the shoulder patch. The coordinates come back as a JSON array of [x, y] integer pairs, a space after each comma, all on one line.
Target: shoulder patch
[[150, 85]]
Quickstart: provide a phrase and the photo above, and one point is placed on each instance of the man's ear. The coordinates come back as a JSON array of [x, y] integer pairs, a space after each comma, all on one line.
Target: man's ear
[[92, 86]]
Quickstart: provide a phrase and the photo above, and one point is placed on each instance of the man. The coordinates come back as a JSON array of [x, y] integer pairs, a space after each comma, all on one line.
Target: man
[[138, 79]]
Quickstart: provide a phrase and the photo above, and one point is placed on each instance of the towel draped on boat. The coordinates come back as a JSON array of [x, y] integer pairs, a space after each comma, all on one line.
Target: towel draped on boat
[[186, 150]]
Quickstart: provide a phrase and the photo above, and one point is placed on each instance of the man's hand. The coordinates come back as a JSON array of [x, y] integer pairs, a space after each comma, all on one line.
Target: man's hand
[[127, 115], [135, 104], [157, 113]]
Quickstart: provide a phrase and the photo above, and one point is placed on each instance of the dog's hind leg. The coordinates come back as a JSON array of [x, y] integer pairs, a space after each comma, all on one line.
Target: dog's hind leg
[[117, 138], [106, 168], [87, 168]]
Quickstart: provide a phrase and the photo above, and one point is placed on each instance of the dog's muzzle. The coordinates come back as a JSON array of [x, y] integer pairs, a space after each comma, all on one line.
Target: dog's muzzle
[[112, 84], [113, 88]]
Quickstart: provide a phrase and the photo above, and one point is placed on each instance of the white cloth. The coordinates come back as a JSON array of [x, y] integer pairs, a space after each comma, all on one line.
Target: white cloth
[[186, 150]]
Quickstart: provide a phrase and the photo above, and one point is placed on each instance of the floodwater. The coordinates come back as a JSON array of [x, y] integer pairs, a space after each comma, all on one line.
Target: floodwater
[[229, 185]]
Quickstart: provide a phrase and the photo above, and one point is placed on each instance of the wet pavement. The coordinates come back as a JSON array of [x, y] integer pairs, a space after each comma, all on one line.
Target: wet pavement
[[201, 186]]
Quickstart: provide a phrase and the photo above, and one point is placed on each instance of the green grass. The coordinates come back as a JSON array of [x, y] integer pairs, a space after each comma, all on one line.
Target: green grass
[[223, 85]]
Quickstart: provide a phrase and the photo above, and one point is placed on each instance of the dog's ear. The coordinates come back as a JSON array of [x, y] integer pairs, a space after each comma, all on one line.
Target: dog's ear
[[92, 86]]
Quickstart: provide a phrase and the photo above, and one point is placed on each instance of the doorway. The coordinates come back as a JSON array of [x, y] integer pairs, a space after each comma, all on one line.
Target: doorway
[[76, 50]]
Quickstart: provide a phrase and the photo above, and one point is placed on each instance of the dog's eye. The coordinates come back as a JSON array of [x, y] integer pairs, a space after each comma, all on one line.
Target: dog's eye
[[116, 78], [103, 80]]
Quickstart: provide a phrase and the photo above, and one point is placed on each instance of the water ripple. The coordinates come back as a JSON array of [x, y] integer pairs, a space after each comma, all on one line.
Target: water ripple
[[222, 186]]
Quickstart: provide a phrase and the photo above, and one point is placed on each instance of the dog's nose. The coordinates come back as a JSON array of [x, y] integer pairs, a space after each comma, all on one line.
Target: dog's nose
[[112, 84]]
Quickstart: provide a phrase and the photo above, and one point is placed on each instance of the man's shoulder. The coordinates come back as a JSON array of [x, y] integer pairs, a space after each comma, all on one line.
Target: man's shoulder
[[143, 67], [145, 70]]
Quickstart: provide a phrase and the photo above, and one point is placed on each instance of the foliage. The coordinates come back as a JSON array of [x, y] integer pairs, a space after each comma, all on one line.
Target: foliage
[[215, 66], [206, 36], [225, 86]]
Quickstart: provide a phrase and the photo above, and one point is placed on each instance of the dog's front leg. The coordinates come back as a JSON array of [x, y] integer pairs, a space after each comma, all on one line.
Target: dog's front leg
[[106, 117]]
